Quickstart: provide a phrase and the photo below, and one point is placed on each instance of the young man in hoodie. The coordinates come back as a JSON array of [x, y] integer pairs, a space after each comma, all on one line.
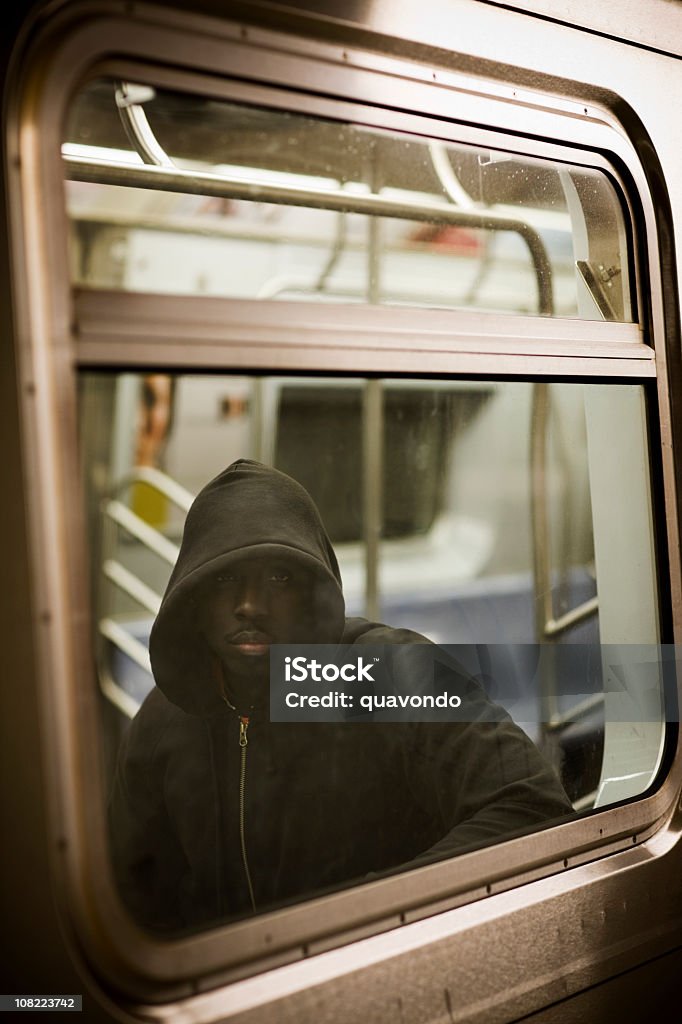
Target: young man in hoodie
[[217, 812]]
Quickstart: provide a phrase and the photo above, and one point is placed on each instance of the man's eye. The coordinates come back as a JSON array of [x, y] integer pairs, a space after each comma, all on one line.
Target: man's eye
[[279, 577], [225, 578]]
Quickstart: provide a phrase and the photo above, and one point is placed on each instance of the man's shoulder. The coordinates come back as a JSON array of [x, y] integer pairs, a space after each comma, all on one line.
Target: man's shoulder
[[158, 717], [362, 631]]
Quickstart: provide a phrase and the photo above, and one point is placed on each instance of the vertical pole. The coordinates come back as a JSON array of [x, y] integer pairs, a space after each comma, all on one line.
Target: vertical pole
[[373, 432], [542, 568], [372, 439]]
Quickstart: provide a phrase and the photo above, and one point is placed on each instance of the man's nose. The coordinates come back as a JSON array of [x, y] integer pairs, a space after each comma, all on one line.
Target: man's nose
[[251, 601]]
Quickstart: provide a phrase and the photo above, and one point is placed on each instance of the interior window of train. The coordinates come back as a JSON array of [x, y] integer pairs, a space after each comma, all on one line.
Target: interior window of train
[[170, 192], [506, 524]]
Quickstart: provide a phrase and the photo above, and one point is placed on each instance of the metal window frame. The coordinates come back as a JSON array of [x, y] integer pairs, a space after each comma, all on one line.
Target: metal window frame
[[357, 111], [137, 329], [56, 337]]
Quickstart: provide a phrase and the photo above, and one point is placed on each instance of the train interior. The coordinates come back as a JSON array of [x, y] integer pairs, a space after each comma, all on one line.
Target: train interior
[[493, 516]]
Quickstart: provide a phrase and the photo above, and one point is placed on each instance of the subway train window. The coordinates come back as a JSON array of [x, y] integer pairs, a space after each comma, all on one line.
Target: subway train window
[[173, 193], [493, 522], [345, 550]]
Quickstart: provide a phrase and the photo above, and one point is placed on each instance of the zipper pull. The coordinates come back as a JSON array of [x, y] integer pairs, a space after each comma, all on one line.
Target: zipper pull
[[243, 726]]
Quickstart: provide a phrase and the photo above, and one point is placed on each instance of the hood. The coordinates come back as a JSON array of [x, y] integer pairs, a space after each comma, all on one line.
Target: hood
[[248, 509]]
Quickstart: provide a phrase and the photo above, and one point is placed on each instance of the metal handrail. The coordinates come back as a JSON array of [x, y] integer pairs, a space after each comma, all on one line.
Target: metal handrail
[[132, 585], [136, 651], [176, 179], [580, 710], [161, 482], [117, 513], [547, 626], [539, 419], [142, 531], [448, 179], [555, 627], [131, 646], [129, 99]]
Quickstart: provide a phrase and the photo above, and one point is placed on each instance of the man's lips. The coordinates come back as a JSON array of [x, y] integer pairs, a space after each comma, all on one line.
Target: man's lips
[[251, 643]]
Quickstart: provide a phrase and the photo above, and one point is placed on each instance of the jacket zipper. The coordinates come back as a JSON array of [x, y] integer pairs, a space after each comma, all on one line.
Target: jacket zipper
[[243, 743]]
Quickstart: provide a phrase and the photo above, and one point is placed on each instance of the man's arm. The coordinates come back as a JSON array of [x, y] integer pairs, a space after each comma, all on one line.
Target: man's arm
[[480, 776], [482, 780]]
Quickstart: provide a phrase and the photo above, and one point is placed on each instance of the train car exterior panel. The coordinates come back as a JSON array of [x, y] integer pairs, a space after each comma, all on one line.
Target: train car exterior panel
[[562, 920]]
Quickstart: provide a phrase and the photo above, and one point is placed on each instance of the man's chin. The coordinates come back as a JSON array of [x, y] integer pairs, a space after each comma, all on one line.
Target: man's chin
[[249, 662]]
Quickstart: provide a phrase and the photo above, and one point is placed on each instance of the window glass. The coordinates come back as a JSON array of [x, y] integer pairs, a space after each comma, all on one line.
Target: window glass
[[506, 523], [177, 194]]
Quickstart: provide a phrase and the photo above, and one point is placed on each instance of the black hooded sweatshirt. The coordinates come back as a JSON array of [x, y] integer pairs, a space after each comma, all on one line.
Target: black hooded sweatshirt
[[205, 828]]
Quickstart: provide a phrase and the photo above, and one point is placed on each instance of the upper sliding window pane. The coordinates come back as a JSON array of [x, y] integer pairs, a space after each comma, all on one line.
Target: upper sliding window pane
[[179, 194]]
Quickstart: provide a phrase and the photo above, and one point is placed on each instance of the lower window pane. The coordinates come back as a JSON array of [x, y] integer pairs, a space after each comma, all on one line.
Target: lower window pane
[[349, 525]]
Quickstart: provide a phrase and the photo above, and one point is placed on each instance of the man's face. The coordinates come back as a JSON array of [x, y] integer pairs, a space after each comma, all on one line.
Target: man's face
[[253, 603]]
